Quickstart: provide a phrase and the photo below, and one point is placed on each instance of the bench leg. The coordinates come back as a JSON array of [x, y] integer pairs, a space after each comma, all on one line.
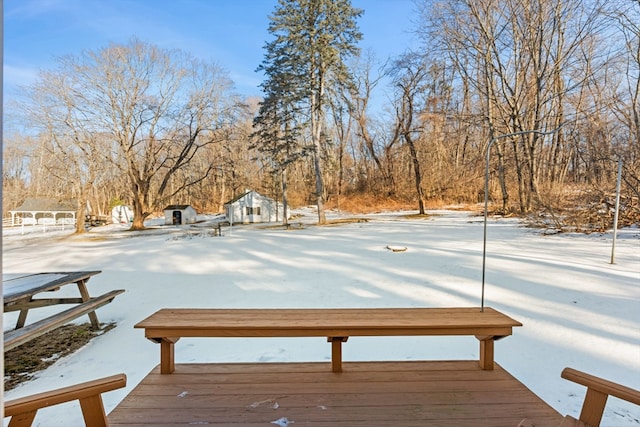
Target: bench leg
[[336, 352], [167, 363], [486, 353]]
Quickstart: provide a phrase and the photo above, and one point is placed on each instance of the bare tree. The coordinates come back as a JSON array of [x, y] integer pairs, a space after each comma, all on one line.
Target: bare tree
[[523, 58], [377, 144], [410, 74], [16, 150], [156, 109], [627, 100]]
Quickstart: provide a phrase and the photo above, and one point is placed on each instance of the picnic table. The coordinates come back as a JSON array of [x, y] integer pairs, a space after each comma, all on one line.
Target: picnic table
[[19, 293]]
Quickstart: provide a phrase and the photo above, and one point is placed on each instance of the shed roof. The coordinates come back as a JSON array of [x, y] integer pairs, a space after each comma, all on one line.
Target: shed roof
[[176, 207], [235, 199]]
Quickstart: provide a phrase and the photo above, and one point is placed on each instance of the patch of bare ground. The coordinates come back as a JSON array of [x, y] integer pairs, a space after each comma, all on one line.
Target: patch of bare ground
[[351, 220], [368, 204], [22, 362], [364, 204], [415, 216]]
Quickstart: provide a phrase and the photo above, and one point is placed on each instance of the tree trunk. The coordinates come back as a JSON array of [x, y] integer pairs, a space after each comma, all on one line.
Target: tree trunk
[[322, 219], [285, 203], [522, 196], [80, 213], [502, 177], [316, 134], [140, 190], [417, 172]]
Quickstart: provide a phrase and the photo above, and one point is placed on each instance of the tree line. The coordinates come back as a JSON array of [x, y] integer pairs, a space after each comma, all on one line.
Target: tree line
[[546, 94]]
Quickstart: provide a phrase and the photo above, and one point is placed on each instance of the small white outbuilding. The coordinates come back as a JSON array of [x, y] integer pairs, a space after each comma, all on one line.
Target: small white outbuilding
[[121, 214], [252, 207], [179, 215]]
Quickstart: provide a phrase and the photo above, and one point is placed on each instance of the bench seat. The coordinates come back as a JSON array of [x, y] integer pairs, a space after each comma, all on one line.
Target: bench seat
[[167, 326], [24, 334]]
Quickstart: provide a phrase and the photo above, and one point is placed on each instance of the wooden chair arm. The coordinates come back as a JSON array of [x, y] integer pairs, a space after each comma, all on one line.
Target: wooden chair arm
[[598, 390], [23, 410]]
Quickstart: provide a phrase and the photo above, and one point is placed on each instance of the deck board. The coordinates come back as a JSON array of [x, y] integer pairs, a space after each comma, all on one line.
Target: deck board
[[365, 394]]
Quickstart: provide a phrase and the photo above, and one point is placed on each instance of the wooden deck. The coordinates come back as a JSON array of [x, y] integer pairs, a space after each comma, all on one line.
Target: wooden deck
[[398, 394]]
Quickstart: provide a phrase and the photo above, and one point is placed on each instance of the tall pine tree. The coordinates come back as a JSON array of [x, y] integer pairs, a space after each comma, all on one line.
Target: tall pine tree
[[312, 41]]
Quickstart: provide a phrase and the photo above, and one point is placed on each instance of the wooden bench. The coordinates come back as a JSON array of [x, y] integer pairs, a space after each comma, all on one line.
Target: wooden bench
[[19, 336], [167, 326], [23, 410]]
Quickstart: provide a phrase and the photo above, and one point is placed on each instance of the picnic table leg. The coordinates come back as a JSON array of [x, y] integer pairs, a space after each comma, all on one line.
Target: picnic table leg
[[84, 293], [22, 318], [486, 352], [336, 352]]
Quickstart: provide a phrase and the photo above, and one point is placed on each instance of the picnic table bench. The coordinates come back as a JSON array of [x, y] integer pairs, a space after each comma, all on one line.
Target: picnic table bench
[[167, 326], [19, 294]]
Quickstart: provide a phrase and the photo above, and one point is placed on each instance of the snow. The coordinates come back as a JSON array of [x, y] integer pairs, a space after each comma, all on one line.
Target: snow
[[577, 309]]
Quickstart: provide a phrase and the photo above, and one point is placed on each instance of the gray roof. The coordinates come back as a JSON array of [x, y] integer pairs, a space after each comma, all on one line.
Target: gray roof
[[47, 204], [235, 199], [176, 207]]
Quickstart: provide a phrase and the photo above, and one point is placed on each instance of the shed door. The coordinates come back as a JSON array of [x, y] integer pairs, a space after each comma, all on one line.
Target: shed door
[[177, 217], [253, 214]]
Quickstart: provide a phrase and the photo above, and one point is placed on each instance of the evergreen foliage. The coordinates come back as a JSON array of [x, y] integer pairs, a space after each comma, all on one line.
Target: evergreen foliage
[[312, 41]]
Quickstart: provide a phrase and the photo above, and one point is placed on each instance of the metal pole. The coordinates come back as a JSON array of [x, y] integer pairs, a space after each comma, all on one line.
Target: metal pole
[[615, 215], [486, 195]]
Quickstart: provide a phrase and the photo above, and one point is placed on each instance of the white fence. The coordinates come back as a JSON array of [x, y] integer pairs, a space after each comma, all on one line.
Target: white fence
[[41, 224]]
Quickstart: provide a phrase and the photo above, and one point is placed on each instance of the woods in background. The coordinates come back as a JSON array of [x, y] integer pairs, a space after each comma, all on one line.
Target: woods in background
[[336, 126]]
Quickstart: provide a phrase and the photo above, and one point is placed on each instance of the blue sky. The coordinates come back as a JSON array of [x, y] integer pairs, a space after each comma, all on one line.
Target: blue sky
[[230, 32]]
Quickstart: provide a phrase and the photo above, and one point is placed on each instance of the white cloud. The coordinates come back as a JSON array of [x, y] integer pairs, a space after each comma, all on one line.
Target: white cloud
[[16, 76]]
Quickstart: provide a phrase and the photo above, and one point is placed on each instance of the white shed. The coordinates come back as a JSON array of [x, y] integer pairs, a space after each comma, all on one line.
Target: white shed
[[179, 215], [251, 207], [121, 214]]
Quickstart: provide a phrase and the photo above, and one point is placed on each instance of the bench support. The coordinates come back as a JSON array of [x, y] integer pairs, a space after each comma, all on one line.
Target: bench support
[[167, 353], [167, 358], [486, 352], [336, 352]]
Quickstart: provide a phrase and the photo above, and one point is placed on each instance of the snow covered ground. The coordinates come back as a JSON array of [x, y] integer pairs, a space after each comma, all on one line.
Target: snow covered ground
[[577, 309]]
